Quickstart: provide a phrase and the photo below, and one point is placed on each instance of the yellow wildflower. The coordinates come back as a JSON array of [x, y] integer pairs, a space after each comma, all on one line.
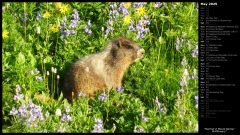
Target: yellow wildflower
[[127, 19], [4, 34], [141, 10], [127, 4], [46, 14], [55, 28], [63, 9], [166, 72]]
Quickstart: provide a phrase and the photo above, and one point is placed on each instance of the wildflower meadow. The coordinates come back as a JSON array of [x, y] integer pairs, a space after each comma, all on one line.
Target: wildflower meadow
[[40, 40]]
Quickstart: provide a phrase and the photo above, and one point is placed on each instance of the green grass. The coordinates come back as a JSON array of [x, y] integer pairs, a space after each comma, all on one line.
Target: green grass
[[28, 55]]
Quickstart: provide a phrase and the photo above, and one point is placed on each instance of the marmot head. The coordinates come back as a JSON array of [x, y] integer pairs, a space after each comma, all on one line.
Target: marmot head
[[126, 49]]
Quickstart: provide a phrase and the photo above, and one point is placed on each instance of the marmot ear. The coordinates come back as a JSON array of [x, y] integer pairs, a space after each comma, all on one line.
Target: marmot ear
[[119, 44], [121, 41]]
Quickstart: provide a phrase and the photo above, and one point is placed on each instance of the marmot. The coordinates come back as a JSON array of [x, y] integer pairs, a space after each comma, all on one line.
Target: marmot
[[101, 71]]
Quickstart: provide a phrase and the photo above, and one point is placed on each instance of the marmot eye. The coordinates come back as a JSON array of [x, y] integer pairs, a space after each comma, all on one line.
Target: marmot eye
[[128, 46]]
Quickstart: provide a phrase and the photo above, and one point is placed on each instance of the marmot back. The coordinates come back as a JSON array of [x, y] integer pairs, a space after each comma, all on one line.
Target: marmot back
[[101, 71]]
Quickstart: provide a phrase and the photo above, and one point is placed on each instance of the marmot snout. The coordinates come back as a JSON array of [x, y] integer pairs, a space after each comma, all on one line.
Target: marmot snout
[[101, 71]]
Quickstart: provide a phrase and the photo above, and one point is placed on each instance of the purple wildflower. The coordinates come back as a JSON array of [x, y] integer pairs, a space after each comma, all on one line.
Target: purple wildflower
[[41, 117], [73, 24], [123, 9], [24, 18], [87, 28], [18, 88], [131, 27], [140, 27], [62, 26], [35, 124], [109, 27], [159, 106], [120, 89], [162, 110], [66, 32], [66, 118], [39, 78], [75, 20], [23, 119], [110, 22], [29, 113], [184, 78], [145, 119], [22, 110], [181, 91], [178, 43], [113, 11], [113, 6], [30, 104], [183, 82], [195, 51], [113, 14], [98, 127], [13, 111], [138, 4], [72, 32], [75, 15], [38, 17], [158, 4], [138, 130], [102, 97], [18, 97], [31, 118]]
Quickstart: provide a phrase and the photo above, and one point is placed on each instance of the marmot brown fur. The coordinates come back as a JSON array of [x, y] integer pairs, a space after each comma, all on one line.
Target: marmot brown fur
[[101, 71]]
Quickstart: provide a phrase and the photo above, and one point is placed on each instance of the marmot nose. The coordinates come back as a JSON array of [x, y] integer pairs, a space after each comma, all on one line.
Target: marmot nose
[[142, 51]]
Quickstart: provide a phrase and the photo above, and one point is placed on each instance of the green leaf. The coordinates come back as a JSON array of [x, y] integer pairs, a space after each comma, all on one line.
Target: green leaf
[[20, 58], [38, 46], [91, 48], [48, 59], [170, 33], [60, 97], [30, 38], [32, 59], [161, 40]]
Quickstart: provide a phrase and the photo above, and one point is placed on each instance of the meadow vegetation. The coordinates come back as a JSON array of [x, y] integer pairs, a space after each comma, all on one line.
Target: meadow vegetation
[[41, 40]]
